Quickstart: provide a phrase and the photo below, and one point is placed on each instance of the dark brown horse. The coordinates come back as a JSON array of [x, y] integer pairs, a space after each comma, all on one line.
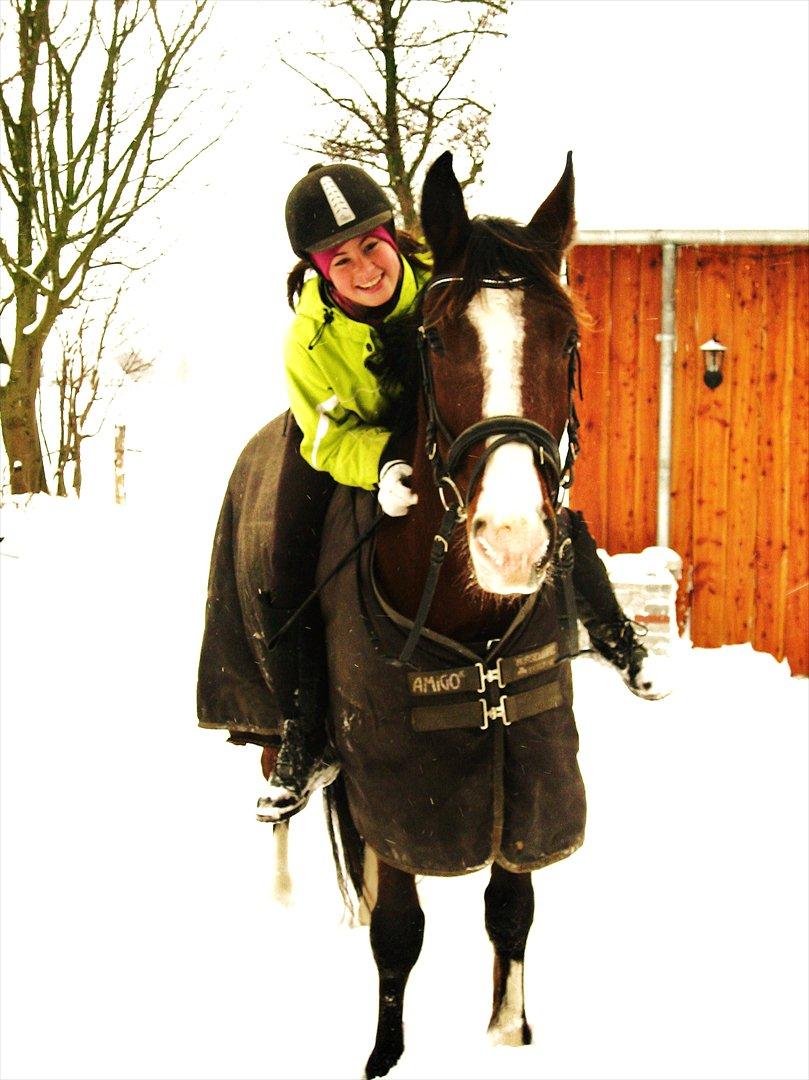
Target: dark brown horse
[[458, 744]]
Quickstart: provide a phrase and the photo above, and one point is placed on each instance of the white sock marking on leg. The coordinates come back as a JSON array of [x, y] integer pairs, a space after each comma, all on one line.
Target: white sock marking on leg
[[506, 1028]]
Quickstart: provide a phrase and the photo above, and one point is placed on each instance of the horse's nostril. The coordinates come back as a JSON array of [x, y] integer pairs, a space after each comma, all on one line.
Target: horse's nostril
[[478, 525]]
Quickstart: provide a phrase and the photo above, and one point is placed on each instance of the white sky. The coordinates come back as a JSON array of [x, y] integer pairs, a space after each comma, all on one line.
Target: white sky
[[680, 113]]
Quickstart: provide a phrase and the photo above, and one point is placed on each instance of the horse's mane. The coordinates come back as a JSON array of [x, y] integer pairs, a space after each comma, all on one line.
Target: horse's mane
[[396, 368], [499, 248]]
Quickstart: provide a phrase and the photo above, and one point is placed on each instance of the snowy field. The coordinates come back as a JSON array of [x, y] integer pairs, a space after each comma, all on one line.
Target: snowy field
[[139, 938]]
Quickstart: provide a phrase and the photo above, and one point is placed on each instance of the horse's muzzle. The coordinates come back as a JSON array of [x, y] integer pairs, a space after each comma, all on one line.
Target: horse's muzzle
[[506, 553]]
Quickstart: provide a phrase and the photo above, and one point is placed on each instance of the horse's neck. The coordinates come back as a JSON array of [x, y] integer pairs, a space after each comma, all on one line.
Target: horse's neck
[[459, 609]]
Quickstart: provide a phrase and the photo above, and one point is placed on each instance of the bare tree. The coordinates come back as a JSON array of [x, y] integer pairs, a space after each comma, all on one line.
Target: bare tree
[[91, 136], [84, 380], [400, 93], [76, 378]]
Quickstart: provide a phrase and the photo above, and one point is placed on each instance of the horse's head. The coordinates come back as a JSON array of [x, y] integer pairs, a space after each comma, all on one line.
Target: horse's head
[[500, 335]]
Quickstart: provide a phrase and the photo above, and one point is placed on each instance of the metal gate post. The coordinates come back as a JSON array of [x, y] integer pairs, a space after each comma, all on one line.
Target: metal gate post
[[666, 337]]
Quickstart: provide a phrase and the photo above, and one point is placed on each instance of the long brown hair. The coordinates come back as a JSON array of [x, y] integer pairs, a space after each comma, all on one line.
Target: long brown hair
[[413, 249]]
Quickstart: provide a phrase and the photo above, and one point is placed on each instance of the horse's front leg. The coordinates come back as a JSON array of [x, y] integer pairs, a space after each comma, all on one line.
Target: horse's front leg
[[397, 930], [509, 914]]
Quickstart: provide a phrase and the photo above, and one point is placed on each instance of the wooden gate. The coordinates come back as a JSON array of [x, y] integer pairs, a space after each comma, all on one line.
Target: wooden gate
[[740, 454]]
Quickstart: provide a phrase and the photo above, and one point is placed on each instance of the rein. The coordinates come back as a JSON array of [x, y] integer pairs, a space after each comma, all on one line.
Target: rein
[[296, 614], [499, 430]]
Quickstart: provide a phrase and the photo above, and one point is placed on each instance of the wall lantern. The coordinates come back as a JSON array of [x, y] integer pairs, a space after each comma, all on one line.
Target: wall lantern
[[712, 354]]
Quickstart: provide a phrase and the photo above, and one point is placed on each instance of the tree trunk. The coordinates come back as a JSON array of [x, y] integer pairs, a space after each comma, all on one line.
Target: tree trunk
[[77, 463], [19, 421], [397, 171], [120, 448], [18, 400], [407, 204], [61, 487]]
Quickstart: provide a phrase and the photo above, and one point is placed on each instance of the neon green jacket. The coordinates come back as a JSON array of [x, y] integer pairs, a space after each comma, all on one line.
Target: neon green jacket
[[335, 399]]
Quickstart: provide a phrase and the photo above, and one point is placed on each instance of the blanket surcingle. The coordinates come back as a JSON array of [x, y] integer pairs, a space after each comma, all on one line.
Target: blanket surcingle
[[457, 759]]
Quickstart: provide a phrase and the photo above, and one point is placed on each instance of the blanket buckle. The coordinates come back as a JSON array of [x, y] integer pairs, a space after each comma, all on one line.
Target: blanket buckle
[[495, 712], [490, 675]]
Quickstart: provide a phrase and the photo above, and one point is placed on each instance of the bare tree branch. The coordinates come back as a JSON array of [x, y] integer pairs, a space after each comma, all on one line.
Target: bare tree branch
[[333, 63], [409, 56], [343, 102]]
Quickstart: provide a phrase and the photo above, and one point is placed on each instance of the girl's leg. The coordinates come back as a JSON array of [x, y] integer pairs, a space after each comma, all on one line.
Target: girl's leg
[[299, 658], [612, 634], [303, 499]]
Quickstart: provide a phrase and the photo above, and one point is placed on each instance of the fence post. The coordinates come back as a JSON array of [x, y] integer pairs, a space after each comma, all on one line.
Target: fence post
[[120, 448]]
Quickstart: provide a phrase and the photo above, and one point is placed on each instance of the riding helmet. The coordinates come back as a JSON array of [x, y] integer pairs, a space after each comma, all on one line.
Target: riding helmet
[[334, 203]]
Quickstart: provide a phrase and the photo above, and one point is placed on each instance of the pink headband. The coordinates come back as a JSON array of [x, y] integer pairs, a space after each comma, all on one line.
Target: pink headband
[[322, 259]]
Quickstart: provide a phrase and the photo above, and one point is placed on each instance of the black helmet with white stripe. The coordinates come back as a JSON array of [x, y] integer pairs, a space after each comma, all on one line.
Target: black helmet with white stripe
[[331, 204]]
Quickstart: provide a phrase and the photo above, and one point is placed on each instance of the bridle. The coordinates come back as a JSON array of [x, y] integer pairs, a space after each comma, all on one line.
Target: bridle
[[500, 430]]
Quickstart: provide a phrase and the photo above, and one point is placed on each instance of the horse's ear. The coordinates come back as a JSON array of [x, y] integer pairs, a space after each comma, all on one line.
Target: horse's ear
[[553, 224], [443, 214]]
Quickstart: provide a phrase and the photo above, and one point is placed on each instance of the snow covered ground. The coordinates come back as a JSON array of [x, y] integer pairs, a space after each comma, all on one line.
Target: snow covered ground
[[139, 939]]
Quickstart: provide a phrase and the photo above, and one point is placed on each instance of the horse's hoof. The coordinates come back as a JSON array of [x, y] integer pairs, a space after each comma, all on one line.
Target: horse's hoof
[[382, 1061]]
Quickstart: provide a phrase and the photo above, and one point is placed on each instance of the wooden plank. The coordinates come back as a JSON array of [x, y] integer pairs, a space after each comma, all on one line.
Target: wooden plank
[[623, 391], [590, 278], [796, 602], [711, 451], [771, 519], [647, 414], [686, 375], [744, 372]]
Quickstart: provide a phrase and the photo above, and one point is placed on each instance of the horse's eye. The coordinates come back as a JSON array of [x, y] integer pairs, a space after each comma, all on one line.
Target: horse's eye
[[433, 339]]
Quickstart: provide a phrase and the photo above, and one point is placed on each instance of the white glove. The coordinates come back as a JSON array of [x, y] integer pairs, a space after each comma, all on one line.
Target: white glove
[[394, 496]]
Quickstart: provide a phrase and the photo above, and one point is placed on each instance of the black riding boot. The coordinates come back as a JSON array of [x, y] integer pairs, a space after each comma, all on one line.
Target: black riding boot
[[305, 760], [613, 635]]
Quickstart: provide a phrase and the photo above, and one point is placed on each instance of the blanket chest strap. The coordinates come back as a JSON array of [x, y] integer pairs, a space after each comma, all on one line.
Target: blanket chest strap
[[506, 670], [478, 714]]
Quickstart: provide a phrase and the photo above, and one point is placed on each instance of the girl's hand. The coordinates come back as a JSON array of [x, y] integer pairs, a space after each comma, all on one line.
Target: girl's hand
[[395, 496]]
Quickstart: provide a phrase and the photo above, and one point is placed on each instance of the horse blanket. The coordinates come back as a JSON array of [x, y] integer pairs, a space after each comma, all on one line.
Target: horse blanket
[[235, 685], [431, 789]]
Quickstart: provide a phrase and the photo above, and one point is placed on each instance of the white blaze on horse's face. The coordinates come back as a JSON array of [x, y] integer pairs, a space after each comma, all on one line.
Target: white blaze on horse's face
[[508, 535]]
